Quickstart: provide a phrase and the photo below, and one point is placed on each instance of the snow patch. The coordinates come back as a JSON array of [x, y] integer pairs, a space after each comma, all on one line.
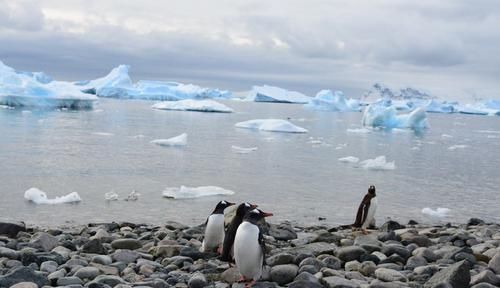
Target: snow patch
[[185, 192], [37, 196], [271, 125]]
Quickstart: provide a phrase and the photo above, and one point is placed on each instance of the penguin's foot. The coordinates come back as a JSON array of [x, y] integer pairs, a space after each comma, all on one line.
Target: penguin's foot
[[364, 231], [219, 250], [249, 284]]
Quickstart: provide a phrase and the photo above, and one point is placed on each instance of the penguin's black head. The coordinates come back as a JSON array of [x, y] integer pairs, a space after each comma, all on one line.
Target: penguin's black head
[[254, 215], [371, 190], [243, 208], [219, 209]]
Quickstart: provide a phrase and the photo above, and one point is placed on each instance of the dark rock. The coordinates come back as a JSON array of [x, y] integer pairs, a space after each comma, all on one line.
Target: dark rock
[[494, 263], [396, 249], [483, 285], [305, 276], [332, 262], [386, 236], [279, 259], [66, 281], [8, 253], [126, 243], [192, 253], [283, 231], [370, 257], [412, 222], [456, 275], [22, 274], [389, 275], [304, 284], [316, 248], [11, 229], [391, 226], [125, 256], [339, 282], [350, 253], [485, 276], [420, 240], [108, 280], [283, 274], [475, 222], [414, 262], [44, 241], [94, 246], [198, 280], [328, 237]]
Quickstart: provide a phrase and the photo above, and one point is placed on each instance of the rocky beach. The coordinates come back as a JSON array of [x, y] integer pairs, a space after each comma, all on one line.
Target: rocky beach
[[101, 255]]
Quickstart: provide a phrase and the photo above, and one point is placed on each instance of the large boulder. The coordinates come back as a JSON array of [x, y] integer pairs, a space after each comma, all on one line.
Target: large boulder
[[11, 229], [44, 241], [23, 274], [494, 263], [350, 253], [456, 275], [284, 274]]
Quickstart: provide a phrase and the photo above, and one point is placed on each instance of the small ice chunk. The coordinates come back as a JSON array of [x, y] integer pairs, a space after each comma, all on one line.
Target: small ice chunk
[[446, 136], [379, 163], [185, 192], [103, 134], [272, 125], [133, 196], [349, 159], [359, 130], [455, 147], [243, 150], [37, 196], [111, 196], [439, 212], [193, 105], [180, 140]]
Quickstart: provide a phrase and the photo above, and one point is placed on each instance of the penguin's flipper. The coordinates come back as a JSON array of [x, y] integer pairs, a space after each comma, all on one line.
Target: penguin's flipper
[[262, 247]]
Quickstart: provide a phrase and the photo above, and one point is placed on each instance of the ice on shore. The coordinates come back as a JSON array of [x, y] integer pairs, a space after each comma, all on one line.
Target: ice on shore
[[276, 94], [326, 100], [185, 192], [271, 125], [37, 196], [379, 114], [193, 105], [439, 212], [180, 140], [378, 163], [349, 159], [118, 84], [26, 89], [243, 150]]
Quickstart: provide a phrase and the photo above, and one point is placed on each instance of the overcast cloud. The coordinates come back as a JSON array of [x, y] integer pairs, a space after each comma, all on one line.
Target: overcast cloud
[[450, 48]]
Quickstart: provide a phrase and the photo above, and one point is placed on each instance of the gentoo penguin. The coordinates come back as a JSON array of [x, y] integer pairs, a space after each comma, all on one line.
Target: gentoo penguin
[[249, 247], [366, 210], [214, 231], [227, 247]]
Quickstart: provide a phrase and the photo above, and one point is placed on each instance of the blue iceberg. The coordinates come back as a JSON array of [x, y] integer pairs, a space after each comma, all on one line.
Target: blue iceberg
[[379, 114], [326, 100], [276, 94]]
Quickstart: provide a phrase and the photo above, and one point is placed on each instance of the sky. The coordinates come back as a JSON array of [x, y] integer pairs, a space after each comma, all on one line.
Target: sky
[[449, 48]]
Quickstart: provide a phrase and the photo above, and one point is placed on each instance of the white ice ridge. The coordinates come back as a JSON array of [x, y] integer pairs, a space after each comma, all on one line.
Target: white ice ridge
[[379, 163], [276, 94], [439, 212], [37, 196], [327, 100], [379, 114], [243, 150], [38, 90], [193, 105], [349, 159], [455, 147], [272, 125], [118, 84], [185, 192], [180, 140]]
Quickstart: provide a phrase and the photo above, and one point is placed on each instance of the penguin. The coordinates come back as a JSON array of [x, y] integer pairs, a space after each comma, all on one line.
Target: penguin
[[249, 247], [366, 210], [214, 231], [242, 209]]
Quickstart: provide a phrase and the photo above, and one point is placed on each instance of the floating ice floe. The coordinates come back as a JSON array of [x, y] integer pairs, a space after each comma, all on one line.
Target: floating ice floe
[[110, 196], [469, 109], [349, 159], [326, 100], [103, 134], [118, 84], [27, 89], [243, 150], [455, 147], [275, 94], [180, 140], [271, 125], [184, 192], [37, 196], [133, 196], [193, 105], [439, 212], [446, 136], [380, 115], [379, 163]]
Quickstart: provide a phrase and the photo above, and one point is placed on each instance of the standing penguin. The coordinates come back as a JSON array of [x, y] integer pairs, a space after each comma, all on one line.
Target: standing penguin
[[366, 210], [242, 209], [214, 232], [249, 247]]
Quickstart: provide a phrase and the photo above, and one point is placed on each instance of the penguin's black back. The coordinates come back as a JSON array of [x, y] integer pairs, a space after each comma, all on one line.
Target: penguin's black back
[[231, 231]]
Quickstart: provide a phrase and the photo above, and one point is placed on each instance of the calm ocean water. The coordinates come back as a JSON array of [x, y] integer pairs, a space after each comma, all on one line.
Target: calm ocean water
[[295, 176]]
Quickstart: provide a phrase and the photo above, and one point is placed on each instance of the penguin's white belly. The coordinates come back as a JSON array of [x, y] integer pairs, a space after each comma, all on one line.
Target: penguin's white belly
[[214, 233], [247, 251], [370, 216]]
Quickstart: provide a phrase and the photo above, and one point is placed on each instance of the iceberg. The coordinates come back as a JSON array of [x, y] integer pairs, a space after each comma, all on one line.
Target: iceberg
[[439, 212], [180, 140], [379, 163], [110, 196], [349, 159], [243, 150], [434, 106], [488, 107], [184, 192], [37, 89], [37, 196], [276, 94], [193, 105], [326, 100], [471, 109], [380, 115], [118, 84], [271, 125]]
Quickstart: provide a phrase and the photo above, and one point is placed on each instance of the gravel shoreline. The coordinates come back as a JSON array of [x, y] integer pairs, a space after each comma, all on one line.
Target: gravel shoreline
[[101, 255]]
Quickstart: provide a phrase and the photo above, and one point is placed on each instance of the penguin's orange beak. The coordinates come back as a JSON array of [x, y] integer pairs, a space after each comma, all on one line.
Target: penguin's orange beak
[[267, 214]]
